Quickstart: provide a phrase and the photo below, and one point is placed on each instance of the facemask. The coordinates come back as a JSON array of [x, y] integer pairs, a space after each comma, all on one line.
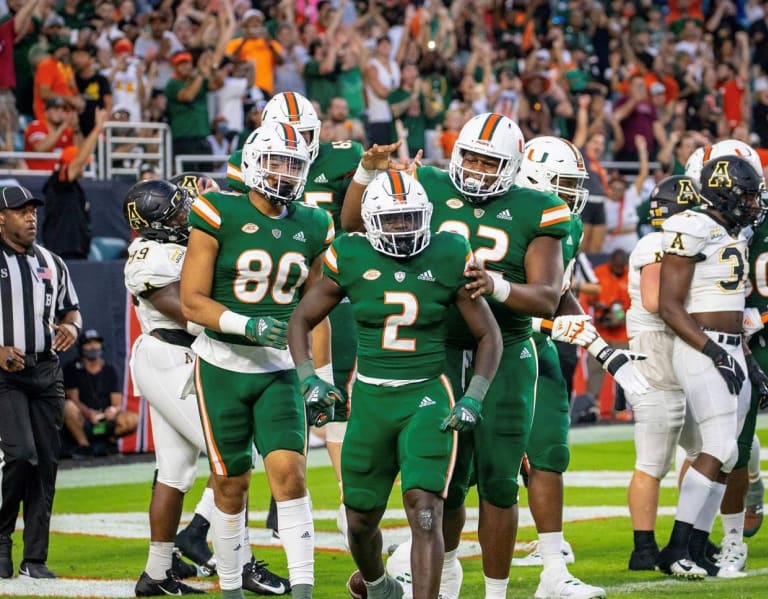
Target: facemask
[[92, 354]]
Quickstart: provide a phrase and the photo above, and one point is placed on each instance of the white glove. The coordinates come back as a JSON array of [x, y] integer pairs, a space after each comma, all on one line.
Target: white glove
[[752, 321], [576, 329]]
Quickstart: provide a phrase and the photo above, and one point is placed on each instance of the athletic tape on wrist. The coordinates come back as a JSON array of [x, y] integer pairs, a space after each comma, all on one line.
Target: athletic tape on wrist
[[477, 388], [600, 350], [233, 323], [305, 370], [363, 176], [325, 372], [501, 288]]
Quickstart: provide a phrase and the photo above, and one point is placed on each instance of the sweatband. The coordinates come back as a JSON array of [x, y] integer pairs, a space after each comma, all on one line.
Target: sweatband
[[363, 176], [597, 349], [325, 372], [305, 370], [478, 387]]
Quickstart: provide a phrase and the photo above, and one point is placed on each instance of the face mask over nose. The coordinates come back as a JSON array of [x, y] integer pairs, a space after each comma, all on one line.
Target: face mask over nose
[[92, 354]]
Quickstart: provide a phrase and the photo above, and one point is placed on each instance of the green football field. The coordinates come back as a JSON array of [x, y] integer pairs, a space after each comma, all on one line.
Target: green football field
[[100, 531]]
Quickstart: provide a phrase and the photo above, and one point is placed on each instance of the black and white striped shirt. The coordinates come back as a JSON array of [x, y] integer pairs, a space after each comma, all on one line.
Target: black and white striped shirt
[[35, 291]]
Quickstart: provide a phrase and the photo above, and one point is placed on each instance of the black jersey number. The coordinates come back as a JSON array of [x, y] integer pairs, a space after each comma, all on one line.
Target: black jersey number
[[734, 257]]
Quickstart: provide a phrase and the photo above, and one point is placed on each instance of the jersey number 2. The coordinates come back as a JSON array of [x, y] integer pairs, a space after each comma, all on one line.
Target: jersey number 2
[[389, 338]]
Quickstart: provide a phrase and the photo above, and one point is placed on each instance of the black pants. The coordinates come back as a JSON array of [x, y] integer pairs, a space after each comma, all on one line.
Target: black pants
[[193, 145], [31, 416]]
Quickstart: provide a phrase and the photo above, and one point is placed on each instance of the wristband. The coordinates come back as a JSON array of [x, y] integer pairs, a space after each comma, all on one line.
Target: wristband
[[600, 349], [78, 327], [501, 287], [712, 350], [363, 176], [305, 370], [233, 323], [477, 388], [325, 372], [195, 329], [542, 325]]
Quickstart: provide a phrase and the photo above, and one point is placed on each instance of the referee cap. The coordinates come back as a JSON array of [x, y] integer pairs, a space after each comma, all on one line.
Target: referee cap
[[91, 335], [16, 196]]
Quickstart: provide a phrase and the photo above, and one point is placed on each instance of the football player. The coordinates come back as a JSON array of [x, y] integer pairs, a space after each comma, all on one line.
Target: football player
[[701, 299], [161, 364], [250, 256], [659, 414], [516, 234], [401, 281]]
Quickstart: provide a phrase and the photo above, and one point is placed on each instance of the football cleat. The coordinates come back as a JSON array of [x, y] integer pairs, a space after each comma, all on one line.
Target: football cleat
[[644, 559], [192, 544], [398, 566], [677, 563], [450, 580], [181, 568], [534, 557], [259, 580], [753, 518], [562, 585], [147, 587], [733, 556], [35, 570]]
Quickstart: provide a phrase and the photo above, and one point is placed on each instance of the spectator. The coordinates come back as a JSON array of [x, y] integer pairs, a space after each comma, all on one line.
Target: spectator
[[760, 110], [126, 75], [408, 104], [454, 121], [25, 39], [33, 394], [67, 226], [252, 122], [257, 46], [288, 74], [148, 171], [54, 78], [684, 144], [621, 206], [11, 31], [637, 116], [382, 76], [593, 215], [320, 72], [352, 57], [107, 32], [222, 143], [93, 413], [338, 126], [187, 96], [609, 310], [54, 132], [94, 87], [156, 47]]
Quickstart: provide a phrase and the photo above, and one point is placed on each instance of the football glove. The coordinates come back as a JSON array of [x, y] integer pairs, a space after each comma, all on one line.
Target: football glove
[[726, 365], [759, 381], [752, 322], [464, 416], [576, 329], [322, 399], [267, 331], [618, 362]]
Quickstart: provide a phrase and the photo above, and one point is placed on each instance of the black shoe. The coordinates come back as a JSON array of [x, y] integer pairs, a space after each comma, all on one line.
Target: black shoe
[[192, 545], [707, 564], [82, 452], [181, 568], [6, 563], [644, 559], [712, 551], [35, 570], [259, 580], [678, 563], [146, 587]]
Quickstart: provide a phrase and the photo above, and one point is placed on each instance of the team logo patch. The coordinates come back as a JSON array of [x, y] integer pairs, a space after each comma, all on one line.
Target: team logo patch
[[177, 255], [276, 233], [454, 203], [399, 276], [249, 228], [135, 220], [720, 176], [478, 212], [371, 274]]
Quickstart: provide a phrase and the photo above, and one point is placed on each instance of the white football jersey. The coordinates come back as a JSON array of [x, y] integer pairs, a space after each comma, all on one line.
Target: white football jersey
[[647, 251], [718, 283], [152, 265]]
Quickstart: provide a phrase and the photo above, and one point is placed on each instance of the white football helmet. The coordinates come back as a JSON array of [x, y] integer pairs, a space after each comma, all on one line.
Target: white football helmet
[[396, 214], [554, 165], [486, 135], [727, 147], [276, 162], [295, 109]]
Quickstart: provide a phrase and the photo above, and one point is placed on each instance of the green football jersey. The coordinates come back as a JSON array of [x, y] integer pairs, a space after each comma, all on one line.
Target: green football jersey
[[758, 270], [329, 175], [262, 261], [400, 306], [499, 232]]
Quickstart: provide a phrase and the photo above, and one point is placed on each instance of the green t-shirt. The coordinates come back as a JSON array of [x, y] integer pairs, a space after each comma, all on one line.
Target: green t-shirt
[[499, 232], [320, 88], [415, 123], [262, 261], [187, 119], [351, 87], [400, 306]]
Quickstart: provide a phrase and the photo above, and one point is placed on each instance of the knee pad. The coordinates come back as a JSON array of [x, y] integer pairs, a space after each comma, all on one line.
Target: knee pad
[[553, 459], [176, 474], [499, 493], [334, 432], [719, 440], [659, 418]]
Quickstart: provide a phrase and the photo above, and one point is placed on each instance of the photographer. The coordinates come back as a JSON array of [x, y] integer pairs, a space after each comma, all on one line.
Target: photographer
[[187, 95], [257, 47]]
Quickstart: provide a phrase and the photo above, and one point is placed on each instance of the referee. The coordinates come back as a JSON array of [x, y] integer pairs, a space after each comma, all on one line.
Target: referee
[[38, 317]]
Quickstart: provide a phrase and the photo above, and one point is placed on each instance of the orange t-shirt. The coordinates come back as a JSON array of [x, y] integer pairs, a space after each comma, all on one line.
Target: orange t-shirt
[[447, 141], [259, 53], [733, 93], [55, 75], [612, 289]]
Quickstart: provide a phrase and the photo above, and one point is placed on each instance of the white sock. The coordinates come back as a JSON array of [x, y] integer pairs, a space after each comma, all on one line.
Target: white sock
[[204, 507], [733, 526], [495, 588], [227, 544], [753, 466], [551, 550], [245, 551], [694, 492], [706, 518], [297, 533], [450, 557], [159, 559]]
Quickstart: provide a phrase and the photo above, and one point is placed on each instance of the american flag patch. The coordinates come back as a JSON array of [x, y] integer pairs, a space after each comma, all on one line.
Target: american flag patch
[[44, 273]]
